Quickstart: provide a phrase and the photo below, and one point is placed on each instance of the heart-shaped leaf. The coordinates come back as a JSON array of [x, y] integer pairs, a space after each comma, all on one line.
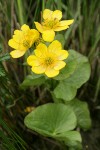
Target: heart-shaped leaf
[[67, 89], [56, 121], [51, 119], [71, 138], [82, 112]]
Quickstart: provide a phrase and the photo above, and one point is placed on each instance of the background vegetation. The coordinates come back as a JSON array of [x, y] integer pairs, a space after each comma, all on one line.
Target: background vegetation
[[83, 36]]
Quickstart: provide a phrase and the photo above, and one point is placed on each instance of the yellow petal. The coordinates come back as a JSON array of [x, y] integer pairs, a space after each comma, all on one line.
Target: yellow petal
[[38, 69], [51, 72], [59, 65], [48, 35], [57, 14], [54, 46], [62, 54], [25, 28], [63, 25], [47, 14], [42, 47], [60, 28], [34, 34], [41, 50], [66, 22], [39, 27], [12, 43], [17, 53], [17, 32], [18, 45], [18, 36], [33, 60]]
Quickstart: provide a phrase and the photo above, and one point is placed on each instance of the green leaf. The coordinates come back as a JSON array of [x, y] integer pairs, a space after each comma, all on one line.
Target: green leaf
[[82, 112], [11, 140], [51, 119], [71, 138], [2, 71], [5, 57], [80, 76], [32, 80], [67, 89], [56, 121], [0, 48]]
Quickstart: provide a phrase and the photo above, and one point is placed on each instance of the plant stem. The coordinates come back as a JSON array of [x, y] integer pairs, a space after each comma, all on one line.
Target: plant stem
[[20, 9], [43, 5]]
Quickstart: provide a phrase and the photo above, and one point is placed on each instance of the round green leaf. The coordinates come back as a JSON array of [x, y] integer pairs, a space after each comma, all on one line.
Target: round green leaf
[[65, 91], [51, 119], [81, 73], [71, 138], [67, 88], [80, 76], [82, 112]]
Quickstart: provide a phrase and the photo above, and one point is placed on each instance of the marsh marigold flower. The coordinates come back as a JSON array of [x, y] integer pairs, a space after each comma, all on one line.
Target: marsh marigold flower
[[29, 109], [52, 23], [48, 60], [22, 40]]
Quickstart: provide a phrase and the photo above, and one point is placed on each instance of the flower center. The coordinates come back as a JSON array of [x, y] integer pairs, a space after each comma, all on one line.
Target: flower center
[[49, 61], [50, 23], [38, 41], [26, 44]]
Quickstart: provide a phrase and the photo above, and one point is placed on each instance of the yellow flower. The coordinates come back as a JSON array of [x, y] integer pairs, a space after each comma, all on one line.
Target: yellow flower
[[22, 40], [52, 23], [48, 60], [29, 109]]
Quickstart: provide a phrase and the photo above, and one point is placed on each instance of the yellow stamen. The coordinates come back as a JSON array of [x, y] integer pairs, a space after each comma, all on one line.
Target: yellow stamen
[[50, 23], [26, 44], [38, 41], [49, 61]]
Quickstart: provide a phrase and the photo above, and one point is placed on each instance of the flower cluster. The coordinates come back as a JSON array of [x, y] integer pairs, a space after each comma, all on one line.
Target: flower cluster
[[47, 60]]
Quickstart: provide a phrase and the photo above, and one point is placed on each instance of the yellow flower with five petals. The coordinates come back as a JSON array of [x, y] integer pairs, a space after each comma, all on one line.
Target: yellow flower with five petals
[[48, 60], [51, 24], [22, 40]]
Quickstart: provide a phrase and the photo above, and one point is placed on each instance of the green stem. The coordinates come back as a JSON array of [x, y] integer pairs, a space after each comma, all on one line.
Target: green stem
[[43, 5], [80, 24], [36, 10], [20, 9], [97, 90]]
